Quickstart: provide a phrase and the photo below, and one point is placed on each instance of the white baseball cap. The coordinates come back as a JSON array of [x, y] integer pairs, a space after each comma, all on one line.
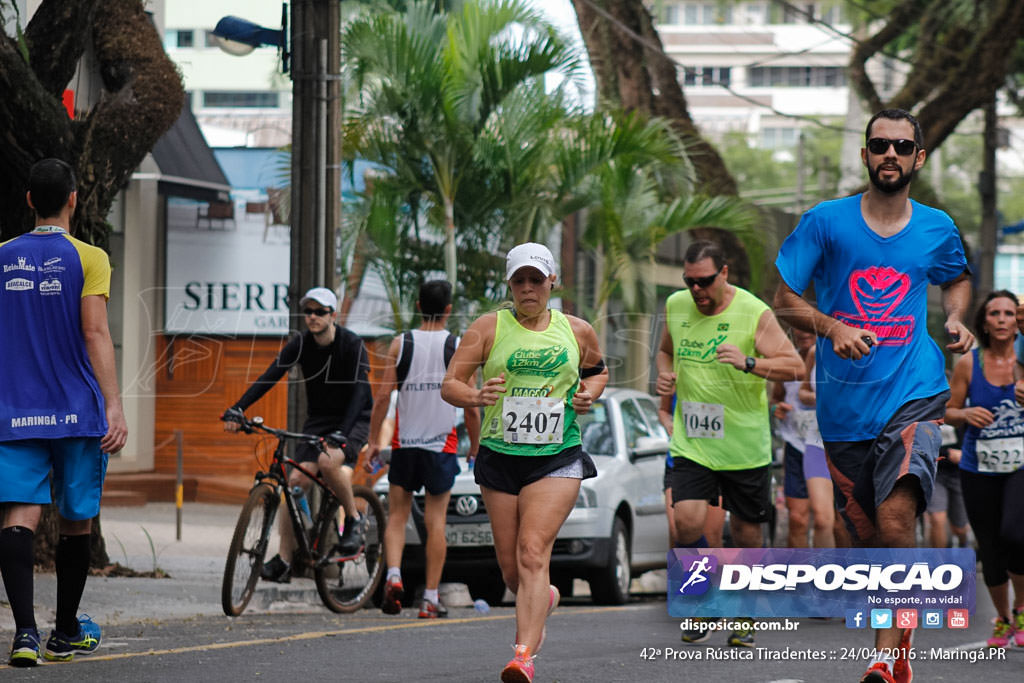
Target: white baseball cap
[[322, 296], [532, 255]]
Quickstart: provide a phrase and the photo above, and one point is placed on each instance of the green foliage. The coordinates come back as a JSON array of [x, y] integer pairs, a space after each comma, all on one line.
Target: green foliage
[[451, 109]]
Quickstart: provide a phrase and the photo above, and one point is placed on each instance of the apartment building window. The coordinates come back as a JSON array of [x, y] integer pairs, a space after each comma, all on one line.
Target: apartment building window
[[673, 13], [706, 14], [707, 75], [753, 14], [779, 138], [797, 77], [806, 13], [184, 38], [240, 99]]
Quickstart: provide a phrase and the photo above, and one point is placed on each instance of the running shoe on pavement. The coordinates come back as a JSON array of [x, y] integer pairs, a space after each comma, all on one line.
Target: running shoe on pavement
[[432, 610], [696, 635], [25, 649], [878, 673], [353, 537], [393, 594], [276, 570], [1018, 627], [520, 669], [901, 671], [62, 648], [744, 635], [1002, 634]]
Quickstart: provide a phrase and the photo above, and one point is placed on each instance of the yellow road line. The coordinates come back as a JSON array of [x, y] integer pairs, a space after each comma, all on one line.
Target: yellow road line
[[432, 623]]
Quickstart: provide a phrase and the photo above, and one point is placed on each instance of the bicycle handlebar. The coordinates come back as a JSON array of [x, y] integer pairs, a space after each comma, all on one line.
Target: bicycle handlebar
[[335, 439]]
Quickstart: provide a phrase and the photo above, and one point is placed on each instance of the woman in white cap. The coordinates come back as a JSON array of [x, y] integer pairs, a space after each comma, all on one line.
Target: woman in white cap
[[540, 369]]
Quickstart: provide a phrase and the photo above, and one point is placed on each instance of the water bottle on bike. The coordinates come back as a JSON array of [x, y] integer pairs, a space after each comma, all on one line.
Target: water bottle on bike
[[303, 503]]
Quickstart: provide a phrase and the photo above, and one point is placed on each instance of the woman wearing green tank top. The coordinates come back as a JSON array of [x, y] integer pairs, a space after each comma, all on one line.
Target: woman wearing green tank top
[[541, 369]]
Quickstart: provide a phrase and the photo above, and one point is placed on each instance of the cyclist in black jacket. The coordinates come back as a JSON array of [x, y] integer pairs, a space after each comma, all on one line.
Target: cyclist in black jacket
[[335, 369]]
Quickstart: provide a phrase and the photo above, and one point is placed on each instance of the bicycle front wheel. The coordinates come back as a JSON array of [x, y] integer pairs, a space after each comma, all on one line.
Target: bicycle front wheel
[[346, 584], [248, 547]]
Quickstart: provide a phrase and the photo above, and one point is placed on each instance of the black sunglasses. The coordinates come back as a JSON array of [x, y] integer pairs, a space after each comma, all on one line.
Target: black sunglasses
[[319, 312], [881, 146], [702, 282]]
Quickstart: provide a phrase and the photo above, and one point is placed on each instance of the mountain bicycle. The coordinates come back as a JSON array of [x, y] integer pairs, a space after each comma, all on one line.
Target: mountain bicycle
[[345, 583]]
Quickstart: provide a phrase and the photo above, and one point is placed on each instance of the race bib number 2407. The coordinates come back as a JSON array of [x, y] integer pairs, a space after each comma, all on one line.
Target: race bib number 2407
[[533, 420]]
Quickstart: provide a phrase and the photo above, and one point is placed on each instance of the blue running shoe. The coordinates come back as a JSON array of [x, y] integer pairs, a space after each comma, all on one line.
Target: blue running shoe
[[62, 648], [25, 650]]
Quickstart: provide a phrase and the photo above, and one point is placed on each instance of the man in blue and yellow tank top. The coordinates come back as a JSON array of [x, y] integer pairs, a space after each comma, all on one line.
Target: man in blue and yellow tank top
[[60, 408], [719, 345]]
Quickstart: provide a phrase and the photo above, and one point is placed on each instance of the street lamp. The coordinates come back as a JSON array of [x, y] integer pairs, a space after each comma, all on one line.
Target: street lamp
[[310, 41], [239, 37]]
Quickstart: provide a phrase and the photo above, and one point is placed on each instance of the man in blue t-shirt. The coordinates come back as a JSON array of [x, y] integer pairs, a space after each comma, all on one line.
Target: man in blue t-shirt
[[881, 383], [60, 408]]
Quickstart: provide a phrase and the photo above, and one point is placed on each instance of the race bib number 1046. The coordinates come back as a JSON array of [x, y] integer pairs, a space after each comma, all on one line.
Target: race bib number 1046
[[533, 420], [703, 420]]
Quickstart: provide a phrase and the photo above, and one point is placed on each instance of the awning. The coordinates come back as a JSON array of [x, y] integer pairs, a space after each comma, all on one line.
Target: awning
[[187, 165]]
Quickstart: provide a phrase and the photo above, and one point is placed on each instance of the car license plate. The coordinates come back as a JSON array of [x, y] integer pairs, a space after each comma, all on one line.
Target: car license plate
[[468, 534]]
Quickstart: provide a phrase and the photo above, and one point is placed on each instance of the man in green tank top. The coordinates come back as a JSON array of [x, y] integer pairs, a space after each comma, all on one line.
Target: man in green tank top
[[718, 346]]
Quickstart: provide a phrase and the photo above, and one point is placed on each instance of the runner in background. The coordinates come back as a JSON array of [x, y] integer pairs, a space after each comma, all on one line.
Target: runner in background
[[946, 508], [808, 486], [718, 346], [714, 525], [983, 397], [423, 443]]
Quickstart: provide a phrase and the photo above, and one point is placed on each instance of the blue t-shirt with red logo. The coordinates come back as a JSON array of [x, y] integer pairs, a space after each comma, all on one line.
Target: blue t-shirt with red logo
[[877, 283], [48, 389]]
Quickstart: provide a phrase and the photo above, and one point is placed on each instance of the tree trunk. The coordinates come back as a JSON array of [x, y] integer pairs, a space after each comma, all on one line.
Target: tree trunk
[[142, 97], [48, 532], [633, 72]]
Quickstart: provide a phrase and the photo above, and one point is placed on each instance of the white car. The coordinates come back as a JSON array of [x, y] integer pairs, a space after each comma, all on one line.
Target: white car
[[617, 529]]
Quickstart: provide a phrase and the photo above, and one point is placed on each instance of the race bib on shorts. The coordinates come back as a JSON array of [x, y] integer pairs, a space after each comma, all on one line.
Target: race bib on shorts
[[806, 422], [533, 419], [703, 420], [1000, 456]]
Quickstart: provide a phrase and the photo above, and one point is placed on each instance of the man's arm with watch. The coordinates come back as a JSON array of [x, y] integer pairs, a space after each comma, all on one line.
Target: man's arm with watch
[[777, 358]]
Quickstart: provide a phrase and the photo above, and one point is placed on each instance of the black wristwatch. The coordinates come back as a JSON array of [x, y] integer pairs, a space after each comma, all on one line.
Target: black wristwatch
[[749, 364]]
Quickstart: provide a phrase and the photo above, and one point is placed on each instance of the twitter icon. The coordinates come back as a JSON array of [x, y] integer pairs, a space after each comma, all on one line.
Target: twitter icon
[[881, 618]]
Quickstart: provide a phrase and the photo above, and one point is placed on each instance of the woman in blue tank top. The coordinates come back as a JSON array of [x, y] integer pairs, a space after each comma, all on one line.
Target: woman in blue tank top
[[991, 474]]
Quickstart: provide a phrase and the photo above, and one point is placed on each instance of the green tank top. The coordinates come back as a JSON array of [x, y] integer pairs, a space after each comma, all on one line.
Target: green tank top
[[721, 415], [534, 416]]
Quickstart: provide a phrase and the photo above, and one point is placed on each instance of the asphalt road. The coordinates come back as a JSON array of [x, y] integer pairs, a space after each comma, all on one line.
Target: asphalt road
[[636, 642]]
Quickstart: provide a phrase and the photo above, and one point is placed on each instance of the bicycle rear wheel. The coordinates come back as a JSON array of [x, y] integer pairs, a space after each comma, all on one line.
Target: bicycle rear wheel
[[346, 584], [248, 547]]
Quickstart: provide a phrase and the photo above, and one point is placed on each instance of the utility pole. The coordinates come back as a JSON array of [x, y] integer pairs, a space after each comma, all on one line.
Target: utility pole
[[987, 190], [316, 156]]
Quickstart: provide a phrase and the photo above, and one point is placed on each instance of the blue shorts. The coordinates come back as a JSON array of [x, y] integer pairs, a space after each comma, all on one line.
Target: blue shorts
[[864, 473], [416, 468], [78, 465], [801, 466]]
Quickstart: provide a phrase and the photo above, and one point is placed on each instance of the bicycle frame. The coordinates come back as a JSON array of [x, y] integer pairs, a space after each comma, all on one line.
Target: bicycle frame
[[276, 472]]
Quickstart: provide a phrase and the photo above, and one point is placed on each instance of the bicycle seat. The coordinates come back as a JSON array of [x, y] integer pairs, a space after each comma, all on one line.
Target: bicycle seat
[[336, 439]]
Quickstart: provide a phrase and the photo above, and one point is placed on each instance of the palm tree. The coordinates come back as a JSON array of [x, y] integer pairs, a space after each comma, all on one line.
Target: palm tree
[[438, 92], [634, 177]]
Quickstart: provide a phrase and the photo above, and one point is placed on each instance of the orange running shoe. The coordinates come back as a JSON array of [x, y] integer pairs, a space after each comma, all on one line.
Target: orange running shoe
[[520, 669], [878, 673]]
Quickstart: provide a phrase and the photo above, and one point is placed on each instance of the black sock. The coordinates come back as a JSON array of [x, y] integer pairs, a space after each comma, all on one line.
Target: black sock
[[17, 557], [72, 569]]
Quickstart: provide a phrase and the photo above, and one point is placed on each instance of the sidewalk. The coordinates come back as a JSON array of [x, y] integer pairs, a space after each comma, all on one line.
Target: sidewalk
[[195, 565]]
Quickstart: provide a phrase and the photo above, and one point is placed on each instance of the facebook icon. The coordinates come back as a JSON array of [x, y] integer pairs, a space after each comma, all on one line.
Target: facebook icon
[[855, 618]]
